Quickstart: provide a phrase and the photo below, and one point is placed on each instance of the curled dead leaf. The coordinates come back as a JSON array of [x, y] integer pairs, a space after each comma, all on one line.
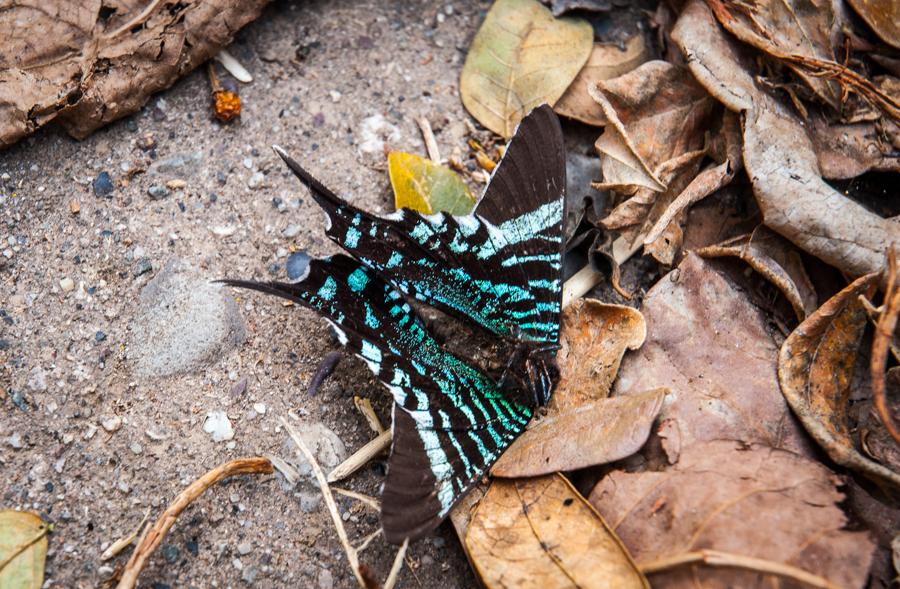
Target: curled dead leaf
[[521, 58], [815, 369], [598, 432], [594, 337], [777, 260], [606, 62], [748, 500], [541, 533], [66, 62]]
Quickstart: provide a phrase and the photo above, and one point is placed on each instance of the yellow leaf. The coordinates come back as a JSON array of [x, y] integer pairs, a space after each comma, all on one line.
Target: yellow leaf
[[521, 58], [23, 550], [540, 533], [427, 187]]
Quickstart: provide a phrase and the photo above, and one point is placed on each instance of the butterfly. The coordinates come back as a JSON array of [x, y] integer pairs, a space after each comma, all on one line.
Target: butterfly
[[499, 268]]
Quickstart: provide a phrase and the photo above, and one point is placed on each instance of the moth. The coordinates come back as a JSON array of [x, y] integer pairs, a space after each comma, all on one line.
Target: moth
[[499, 268]]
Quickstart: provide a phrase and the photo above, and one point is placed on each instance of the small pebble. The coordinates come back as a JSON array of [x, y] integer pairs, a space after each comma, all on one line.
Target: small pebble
[[170, 553], [74, 207], [146, 142], [244, 548], [15, 441], [176, 184], [103, 185], [135, 447], [112, 424], [142, 267], [260, 408], [67, 284], [99, 336], [192, 547], [223, 231], [248, 163], [249, 574], [158, 191], [297, 263], [218, 424], [291, 231], [256, 180]]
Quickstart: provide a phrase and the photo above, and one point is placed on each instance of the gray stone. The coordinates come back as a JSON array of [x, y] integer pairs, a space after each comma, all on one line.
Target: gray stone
[[175, 163], [158, 191], [326, 579], [244, 548], [15, 441], [325, 445], [184, 322], [249, 574], [141, 267]]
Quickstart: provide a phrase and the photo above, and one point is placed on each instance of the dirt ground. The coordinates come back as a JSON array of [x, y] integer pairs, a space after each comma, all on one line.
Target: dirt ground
[[93, 431]]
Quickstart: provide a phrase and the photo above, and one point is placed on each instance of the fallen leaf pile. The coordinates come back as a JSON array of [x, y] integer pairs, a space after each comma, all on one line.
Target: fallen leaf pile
[[716, 429]]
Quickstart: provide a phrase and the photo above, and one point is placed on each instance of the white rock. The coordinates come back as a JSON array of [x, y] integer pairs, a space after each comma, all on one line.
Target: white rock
[[223, 230], [260, 408], [67, 284], [218, 424], [374, 132], [112, 424]]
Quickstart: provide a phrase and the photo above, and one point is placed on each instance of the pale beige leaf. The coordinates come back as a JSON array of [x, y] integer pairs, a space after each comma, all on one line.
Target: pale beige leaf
[[521, 58], [540, 533]]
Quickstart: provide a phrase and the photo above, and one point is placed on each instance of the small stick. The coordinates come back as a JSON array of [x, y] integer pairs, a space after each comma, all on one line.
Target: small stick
[[430, 142], [579, 284], [881, 343], [361, 457], [398, 564], [352, 556], [725, 559], [153, 537], [362, 498], [289, 473], [326, 367], [368, 540], [365, 407], [122, 543]]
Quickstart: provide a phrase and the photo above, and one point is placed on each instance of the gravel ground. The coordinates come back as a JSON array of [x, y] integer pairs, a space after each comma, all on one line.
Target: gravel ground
[[115, 349]]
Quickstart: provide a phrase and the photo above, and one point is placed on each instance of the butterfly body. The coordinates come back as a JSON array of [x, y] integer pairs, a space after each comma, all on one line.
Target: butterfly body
[[498, 269]]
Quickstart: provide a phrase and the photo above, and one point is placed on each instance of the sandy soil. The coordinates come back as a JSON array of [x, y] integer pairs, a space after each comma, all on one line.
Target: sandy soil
[[93, 433]]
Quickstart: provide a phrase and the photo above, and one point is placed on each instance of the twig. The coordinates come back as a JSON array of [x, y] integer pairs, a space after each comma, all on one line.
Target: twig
[[352, 556], [725, 559], [122, 543], [398, 564], [290, 474], [579, 284], [368, 540], [430, 143], [365, 407], [152, 537], [361, 457], [365, 499], [881, 342]]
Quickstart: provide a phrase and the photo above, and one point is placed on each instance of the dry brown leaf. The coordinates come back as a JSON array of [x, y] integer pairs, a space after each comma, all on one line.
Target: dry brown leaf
[[594, 337], [521, 58], [606, 62], [815, 369], [711, 346], [70, 62], [754, 501], [847, 151], [541, 533], [792, 27], [884, 18], [656, 113], [775, 258], [779, 157], [798, 204], [597, 432]]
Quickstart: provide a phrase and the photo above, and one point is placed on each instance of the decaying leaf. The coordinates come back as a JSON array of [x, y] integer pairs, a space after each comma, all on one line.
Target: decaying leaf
[[427, 187], [779, 157], [815, 368], [89, 63], [710, 345], [656, 113], [748, 500], [775, 258], [520, 58], [883, 16], [23, 550], [597, 432], [541, 533], [847, 151], [594, 337], [606, 62], [793, 27]]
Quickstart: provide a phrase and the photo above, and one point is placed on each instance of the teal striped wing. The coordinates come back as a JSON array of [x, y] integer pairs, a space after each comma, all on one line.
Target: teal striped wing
[[499, 267], [451, 422]]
